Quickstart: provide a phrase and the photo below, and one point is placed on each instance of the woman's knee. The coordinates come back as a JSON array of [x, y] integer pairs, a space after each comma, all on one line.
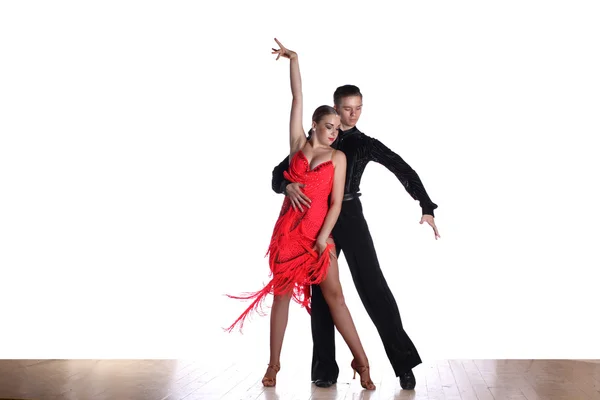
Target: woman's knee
[[334, 297]]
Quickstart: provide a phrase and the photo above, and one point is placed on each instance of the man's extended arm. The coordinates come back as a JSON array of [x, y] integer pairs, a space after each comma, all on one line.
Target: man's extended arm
[[293, 190], [278, 183], [406, 175]]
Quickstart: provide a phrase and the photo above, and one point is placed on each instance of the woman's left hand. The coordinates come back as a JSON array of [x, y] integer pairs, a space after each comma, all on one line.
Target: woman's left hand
[[320, 246]]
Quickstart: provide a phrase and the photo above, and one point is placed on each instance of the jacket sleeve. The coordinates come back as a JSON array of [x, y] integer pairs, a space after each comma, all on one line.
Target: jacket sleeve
[[406, 175], [278, 182]]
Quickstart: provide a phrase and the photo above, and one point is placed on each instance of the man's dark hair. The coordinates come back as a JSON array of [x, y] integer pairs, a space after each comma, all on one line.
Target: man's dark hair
[[345, 91]]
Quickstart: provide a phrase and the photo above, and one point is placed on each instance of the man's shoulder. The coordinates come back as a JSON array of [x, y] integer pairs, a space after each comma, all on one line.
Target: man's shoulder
[[363, 135], [370, 141]]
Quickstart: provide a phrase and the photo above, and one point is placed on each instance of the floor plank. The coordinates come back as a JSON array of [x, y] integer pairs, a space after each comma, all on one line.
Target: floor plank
[[241, 380]]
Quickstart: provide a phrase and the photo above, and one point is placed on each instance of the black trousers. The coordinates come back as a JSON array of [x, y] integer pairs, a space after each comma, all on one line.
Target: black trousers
[[352, 237]]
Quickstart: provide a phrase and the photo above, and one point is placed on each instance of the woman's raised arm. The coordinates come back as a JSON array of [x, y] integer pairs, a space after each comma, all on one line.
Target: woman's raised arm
[[297, 135]]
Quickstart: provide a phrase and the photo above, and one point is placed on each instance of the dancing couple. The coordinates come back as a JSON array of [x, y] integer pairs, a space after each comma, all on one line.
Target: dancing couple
[[322, 217]]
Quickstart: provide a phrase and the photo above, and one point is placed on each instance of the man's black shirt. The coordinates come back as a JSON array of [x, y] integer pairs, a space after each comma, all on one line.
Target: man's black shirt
[[359, 150]]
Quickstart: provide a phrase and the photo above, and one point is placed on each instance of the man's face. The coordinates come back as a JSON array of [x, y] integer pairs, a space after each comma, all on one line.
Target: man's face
[[349, 110]]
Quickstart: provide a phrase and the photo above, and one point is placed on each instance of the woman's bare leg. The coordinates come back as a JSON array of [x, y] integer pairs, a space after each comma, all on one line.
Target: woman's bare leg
[[332, 291], [279, 320]]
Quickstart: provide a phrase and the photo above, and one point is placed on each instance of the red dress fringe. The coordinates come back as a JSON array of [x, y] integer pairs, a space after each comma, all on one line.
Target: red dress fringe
[[294, 264]]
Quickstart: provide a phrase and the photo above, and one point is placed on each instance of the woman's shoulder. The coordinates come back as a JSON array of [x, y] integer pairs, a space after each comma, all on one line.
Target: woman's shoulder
[[338, 156]]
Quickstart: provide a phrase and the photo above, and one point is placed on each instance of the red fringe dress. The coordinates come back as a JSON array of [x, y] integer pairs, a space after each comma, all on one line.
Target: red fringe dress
[[293, 263]]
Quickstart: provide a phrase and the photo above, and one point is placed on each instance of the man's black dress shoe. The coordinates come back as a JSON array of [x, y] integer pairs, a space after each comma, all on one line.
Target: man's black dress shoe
[[407, 380], [323, 383]]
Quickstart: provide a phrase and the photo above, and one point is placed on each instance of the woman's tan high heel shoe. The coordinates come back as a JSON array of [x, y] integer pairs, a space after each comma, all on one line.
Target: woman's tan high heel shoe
[[270, 382], [366, 384]]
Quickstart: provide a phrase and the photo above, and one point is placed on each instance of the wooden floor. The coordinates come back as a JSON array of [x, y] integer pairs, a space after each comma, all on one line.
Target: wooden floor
[[195, 379]]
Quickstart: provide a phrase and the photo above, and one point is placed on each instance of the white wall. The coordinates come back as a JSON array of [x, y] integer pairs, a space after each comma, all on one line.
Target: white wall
[[138, 142]]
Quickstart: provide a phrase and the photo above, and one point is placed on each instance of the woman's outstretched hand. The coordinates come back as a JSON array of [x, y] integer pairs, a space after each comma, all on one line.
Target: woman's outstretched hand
[[283, 52]]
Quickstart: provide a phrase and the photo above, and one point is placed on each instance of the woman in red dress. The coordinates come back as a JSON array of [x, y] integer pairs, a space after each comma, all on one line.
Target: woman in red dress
[[302, 252]]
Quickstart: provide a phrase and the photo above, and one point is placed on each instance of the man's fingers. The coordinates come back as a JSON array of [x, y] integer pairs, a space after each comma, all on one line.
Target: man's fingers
[[297, 198], [298, 204], [435, 230], [301, 200]]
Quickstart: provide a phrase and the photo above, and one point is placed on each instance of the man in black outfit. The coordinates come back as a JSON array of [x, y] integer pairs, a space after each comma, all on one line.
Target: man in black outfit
[[352, 237]]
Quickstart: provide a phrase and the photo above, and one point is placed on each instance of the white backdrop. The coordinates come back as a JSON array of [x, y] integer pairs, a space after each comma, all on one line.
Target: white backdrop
[[138, 140]]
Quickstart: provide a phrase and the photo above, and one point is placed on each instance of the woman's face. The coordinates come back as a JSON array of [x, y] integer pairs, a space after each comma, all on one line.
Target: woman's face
[[327, 129]]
